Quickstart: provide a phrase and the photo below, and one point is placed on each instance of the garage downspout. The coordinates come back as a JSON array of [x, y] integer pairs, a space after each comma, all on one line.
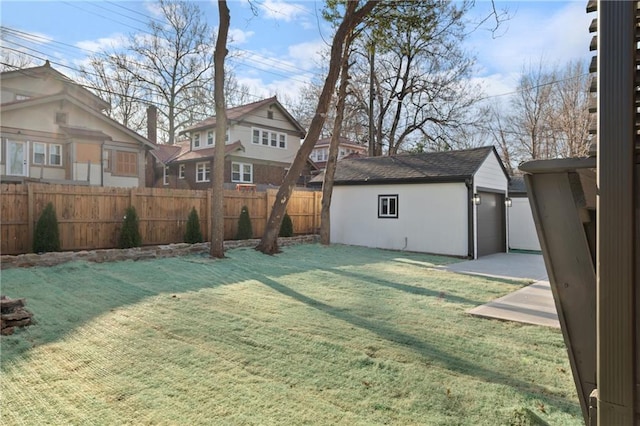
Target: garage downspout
[[470, 245]]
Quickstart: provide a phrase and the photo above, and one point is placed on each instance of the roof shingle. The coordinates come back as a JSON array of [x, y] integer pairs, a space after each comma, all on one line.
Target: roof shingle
[[427, 167]]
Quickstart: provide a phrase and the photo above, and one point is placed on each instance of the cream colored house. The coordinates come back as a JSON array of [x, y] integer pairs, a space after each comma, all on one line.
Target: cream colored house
[[262, 140], [54, 130]]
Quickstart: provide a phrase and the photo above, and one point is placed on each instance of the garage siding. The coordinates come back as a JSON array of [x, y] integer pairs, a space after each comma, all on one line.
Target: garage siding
[[432, 218], [522, 229]]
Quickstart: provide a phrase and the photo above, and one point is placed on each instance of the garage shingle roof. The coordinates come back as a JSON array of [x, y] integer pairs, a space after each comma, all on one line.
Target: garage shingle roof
[[445, 166]]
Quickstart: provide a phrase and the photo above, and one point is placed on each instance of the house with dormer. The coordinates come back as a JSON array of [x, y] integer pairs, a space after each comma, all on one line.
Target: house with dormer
[[55, 130], [261, 141], [320, 153]]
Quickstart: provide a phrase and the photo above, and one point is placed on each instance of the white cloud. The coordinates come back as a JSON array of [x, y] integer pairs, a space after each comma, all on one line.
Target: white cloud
[[281, 10], [307, 55], [553, 33], [112, 42], [237, 36]]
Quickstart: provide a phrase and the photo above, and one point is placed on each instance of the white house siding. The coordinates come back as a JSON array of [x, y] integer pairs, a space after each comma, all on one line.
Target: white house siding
[[522, 229], [432, 218], [490, 175]]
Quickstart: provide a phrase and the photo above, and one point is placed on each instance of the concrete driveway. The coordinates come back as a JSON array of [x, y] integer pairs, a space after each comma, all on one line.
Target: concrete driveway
[[532, 304]]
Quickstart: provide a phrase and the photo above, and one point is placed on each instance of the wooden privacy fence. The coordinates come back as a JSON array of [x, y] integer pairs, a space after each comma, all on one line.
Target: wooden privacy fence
[[91, 217]]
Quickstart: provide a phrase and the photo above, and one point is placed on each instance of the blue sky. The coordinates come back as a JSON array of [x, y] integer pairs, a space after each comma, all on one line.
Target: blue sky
[[278, 48]]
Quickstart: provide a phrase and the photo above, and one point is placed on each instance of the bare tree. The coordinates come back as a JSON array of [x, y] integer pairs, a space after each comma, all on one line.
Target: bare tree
[[353, 15], [572, 111], [13, 59], [217, 235], [408, 56], [548, 117], [173, 61], [121, 89], [330, 169]]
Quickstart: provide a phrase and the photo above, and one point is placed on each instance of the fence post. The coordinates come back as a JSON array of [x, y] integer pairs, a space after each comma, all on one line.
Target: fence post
[[209, 217], [30, 213], [317, 201]]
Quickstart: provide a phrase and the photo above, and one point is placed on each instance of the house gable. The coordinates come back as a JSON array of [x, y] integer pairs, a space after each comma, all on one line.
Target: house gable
[[262, 141], [65, 136]]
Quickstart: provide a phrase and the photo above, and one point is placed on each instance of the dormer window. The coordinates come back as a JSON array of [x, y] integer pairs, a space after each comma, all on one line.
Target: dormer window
[[195, 140], [210, 137]]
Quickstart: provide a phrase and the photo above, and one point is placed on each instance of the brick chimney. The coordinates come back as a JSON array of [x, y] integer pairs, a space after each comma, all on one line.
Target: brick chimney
[[152, 123]]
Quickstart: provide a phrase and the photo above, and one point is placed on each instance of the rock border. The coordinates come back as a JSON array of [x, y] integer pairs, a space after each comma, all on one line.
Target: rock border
[[139, 253]]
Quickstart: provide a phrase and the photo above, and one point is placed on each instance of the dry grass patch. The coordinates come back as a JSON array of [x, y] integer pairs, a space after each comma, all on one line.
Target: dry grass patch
[[315, 335]]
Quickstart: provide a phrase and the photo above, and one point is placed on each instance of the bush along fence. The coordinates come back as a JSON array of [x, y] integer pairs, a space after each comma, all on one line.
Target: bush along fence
[[92, 218]]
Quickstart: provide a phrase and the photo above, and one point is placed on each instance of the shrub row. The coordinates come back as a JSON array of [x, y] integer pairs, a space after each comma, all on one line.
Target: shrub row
[[47, 235]]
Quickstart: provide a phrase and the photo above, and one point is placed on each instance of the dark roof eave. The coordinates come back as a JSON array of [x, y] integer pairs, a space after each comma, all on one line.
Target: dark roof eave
[[386, 181]]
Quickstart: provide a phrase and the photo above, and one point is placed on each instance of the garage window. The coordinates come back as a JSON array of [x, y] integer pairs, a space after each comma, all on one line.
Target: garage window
[[388, 206]]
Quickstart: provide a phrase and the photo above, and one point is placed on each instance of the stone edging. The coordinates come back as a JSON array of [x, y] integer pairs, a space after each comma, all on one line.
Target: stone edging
[[138, 253]]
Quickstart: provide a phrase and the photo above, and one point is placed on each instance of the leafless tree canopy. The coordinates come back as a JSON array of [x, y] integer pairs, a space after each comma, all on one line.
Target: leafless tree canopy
[[548, 117], [408, 56]]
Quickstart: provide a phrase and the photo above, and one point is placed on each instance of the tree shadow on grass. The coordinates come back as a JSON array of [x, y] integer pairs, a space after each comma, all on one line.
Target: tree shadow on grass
[[447, 360], [64, 297], [420, 291]]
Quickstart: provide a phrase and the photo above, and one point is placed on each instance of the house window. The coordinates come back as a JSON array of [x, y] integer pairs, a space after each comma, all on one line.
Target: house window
[[165, 175], [55, 155], [388, 206], [196, 140], [39, 153], [270, 115], [203, 172], [268, 138], [242, 172], [126, 163], [181, 171], [210, 137], [106, 160]]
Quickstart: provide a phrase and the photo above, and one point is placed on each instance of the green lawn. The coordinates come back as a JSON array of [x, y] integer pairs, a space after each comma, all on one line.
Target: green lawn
[[315, 335]]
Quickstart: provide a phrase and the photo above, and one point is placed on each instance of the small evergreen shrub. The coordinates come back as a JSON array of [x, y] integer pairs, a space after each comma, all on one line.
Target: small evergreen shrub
[[245, 231], [286, 228], [130, 234], [46, 236], [193, 234]]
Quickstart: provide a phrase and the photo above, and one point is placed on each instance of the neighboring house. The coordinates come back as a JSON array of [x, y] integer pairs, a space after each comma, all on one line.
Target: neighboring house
[[522, 228], [262, 139], [54, 130], [450, 202], [320, 153]]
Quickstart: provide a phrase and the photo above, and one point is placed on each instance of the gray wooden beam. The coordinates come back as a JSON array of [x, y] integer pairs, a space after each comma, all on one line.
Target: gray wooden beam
[[615, 227]]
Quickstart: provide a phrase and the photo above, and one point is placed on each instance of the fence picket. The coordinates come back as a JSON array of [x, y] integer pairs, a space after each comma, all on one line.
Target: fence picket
[[91, 217]]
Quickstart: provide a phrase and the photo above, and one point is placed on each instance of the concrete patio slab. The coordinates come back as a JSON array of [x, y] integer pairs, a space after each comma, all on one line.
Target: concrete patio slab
[[505, 265], [532, 304]]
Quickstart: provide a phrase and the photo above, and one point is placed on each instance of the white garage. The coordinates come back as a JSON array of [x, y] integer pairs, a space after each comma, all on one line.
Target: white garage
[[522, 229], [450, 202]]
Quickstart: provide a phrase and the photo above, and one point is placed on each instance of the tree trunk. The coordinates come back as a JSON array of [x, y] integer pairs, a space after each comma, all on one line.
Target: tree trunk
[[217, 228], [352, 17], [330, 169]]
